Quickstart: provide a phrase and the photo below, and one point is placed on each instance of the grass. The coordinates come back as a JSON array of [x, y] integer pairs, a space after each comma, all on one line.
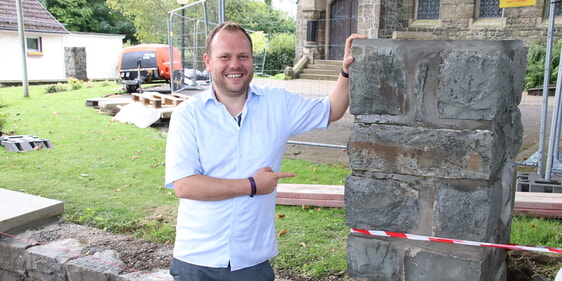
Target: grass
[[111, 175]]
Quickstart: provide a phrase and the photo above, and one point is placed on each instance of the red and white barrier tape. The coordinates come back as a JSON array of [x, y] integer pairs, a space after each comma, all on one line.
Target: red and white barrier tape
[[457, 241]]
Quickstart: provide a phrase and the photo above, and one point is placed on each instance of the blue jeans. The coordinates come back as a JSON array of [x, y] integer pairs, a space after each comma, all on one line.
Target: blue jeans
[[182, 271]]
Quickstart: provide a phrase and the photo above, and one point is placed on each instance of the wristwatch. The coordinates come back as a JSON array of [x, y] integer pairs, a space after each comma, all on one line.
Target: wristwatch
[[344, 74]]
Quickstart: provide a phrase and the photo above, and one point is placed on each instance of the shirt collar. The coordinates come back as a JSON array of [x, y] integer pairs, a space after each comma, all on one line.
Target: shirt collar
[[211, 96]]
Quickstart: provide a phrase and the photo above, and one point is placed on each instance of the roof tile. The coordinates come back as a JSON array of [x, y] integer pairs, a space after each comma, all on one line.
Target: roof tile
[[35, 17]]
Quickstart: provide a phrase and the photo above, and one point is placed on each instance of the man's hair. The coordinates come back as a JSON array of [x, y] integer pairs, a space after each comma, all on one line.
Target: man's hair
[[228, 26]]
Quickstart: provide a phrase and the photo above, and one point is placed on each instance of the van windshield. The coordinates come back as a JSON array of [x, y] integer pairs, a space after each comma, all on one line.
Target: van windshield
[[148, 59]]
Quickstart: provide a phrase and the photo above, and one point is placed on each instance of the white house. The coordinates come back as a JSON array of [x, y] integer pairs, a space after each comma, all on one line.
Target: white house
[[46, 40]]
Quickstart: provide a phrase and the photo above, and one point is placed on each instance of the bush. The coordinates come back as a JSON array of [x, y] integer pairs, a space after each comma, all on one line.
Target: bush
[[75, 84], [536, 56], [280, 53], [54, 88], [3, 115]]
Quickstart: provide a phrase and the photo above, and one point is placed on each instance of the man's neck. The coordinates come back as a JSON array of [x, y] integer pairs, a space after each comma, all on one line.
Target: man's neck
[[234, 104]]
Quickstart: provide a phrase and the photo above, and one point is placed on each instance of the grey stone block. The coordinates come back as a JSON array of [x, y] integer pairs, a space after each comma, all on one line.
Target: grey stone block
[[425, 266], [381, 204], [12, 251], [10, 276], [477, 91], [435, 82], [463, 212], [372, 259], [379, 87], [420, 151], [101, 266], [46, 262]]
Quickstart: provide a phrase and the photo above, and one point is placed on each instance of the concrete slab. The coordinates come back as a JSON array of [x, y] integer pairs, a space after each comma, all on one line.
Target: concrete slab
[[547, 205], [310, 194], [18, 209]]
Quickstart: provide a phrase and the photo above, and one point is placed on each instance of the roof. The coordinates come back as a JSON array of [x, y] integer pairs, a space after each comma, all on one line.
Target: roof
[[35, 17]]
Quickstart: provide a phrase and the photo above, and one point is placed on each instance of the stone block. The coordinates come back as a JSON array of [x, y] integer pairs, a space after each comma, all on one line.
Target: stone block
[[46, 262], [463, 212], [13, 251], [377, 88], [473, 84], [10, 276], [381, 204], [436, 83], [372, 259], [101, 266], [422, 151], [424, 266]]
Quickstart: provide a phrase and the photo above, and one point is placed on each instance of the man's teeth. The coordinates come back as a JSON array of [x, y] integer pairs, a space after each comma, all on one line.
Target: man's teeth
[[234, 75]]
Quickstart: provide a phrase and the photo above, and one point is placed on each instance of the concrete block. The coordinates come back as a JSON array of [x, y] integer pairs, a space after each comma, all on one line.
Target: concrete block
[[421, 151], [381, 204], [18, 209], [46, 262], [372, 259]]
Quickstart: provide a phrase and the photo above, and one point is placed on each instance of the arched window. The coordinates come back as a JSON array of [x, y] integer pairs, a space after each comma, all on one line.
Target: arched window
[[427, 9], [489, 9]]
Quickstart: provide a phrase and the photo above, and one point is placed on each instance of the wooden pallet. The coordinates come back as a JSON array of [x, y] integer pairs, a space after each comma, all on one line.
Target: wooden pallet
[[157, 100]]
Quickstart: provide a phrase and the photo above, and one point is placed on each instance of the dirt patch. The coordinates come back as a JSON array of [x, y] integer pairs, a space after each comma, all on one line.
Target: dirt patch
[[137, 254]]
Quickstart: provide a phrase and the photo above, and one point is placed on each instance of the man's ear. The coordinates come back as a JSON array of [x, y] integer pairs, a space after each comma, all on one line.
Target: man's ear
[[207, 60]]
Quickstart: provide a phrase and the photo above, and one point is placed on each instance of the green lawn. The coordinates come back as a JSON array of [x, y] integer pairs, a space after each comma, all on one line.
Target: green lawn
[[111, 176]]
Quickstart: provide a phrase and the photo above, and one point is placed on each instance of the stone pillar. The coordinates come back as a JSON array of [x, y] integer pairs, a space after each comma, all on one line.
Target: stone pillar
[[432, 152], [75, 63]]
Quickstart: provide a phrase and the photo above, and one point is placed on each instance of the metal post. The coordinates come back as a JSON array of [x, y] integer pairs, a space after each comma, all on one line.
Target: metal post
[[545, 90], [553, 144], [21, 28], [221, 11]]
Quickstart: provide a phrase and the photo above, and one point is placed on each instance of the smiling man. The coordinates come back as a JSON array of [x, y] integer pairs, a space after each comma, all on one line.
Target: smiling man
[[223, 159]]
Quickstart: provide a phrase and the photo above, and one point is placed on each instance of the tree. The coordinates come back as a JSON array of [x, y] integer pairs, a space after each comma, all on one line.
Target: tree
[[261, 18], [76, 15], [150, 17], [90, 16]]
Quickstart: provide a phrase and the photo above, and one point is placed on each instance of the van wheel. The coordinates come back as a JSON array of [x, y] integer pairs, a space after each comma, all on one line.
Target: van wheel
[[177, 78], [131, 88]]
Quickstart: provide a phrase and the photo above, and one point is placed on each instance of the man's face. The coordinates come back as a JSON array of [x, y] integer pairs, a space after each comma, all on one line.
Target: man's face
[[230, 63]]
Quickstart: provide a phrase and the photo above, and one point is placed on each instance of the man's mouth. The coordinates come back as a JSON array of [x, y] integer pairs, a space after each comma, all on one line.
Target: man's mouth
[[238, 75]]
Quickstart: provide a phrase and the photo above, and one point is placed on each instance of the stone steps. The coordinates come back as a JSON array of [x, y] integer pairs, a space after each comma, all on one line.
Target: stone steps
[[321, 70]]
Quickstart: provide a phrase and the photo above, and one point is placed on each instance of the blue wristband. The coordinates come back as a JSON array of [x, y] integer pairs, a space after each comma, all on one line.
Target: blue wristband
[[253, 184]]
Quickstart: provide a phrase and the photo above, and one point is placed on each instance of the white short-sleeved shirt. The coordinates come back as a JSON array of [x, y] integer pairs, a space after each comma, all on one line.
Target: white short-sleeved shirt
[[205, 139]]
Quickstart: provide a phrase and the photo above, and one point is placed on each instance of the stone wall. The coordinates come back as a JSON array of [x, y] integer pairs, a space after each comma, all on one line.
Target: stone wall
[[432, 153], [75, 63], [458, 20], [59, 251]]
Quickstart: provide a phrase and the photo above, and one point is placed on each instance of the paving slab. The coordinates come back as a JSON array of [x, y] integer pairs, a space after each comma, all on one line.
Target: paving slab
[[18, 209]]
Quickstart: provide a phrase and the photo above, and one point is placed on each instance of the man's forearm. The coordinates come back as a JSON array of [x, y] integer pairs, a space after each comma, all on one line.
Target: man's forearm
[[205, 188]]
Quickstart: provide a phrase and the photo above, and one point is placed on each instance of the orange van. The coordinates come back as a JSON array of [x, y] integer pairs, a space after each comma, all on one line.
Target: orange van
[[152, 61]]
